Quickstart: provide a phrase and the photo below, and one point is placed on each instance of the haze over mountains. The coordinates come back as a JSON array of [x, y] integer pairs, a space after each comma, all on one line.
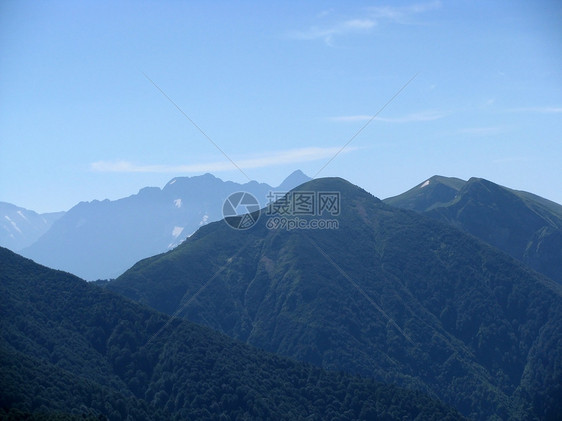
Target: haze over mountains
[[525, 226], [390, 294], [21, 227], [101, 239]]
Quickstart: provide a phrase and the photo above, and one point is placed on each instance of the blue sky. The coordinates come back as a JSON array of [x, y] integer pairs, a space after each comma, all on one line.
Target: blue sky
[[278, 87]]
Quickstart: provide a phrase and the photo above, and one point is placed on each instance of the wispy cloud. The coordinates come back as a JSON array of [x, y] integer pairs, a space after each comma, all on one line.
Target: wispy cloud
[[325, 13], [370, 17], [401, 14], [482, 131], [410, 118], [540, 110], [258, 161], [328, 32]]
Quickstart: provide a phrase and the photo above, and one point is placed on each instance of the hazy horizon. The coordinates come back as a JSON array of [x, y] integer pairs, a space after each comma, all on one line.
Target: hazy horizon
[[96, 97]]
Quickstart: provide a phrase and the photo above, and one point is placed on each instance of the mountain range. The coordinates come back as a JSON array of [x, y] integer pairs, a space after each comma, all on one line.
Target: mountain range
[[448, 289], [20, 227], [386, 293], [70, 350], [525, 226], [101, 239]]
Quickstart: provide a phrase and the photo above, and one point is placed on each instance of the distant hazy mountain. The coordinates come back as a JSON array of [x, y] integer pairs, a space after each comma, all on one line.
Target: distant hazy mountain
[[98, 240], [20, 227], [526, 226], [389, 294], [70, 350]]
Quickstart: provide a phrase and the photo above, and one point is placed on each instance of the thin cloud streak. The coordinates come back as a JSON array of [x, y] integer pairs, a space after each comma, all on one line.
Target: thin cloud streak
[[272, 159], [482, 131], [410, 118], [402, 14], [327, 33], [372, 17], [540, 110]]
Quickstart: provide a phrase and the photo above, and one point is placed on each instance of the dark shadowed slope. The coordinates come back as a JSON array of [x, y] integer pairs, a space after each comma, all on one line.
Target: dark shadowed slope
[[526, 226], [69, 347], [390, 294]]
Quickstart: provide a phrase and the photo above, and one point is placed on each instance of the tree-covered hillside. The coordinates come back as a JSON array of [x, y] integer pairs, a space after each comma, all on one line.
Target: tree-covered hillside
[[525, 226], [70, 350], [389, 294]]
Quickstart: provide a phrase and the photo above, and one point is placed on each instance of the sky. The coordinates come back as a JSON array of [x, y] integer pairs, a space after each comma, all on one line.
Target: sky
[[99, 99]]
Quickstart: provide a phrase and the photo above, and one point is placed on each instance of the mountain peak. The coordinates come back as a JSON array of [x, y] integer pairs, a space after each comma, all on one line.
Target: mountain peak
[[20, 227], [334, 184], [436, 189], [207, 177], [296, 178], [98, 240], [523, 225], [453, 182]]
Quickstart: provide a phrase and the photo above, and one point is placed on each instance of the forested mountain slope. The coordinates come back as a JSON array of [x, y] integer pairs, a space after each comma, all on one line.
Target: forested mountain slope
[[525, 226], [389, 294], [69, 350]]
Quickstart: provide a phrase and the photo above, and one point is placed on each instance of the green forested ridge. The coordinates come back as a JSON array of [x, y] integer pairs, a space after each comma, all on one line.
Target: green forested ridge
[[436, 191], [435, 309], [71, 350], [526, 226]]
